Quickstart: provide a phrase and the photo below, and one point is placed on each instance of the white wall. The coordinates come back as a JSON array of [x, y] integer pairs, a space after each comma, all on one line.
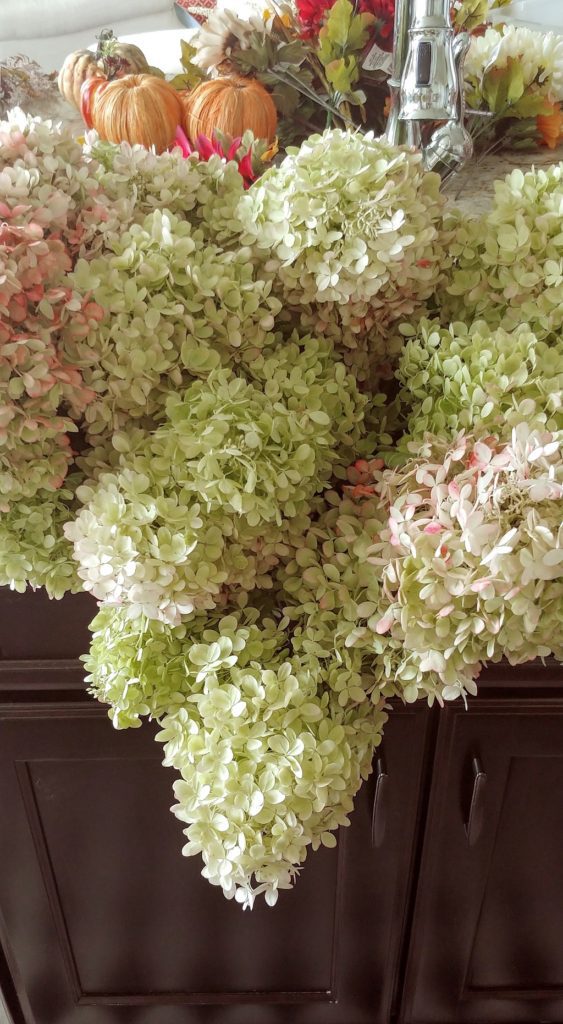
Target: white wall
[[67, 25]]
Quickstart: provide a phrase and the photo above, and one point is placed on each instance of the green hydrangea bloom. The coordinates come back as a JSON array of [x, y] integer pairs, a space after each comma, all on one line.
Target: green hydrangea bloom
[[351, 220], [33, 548], [204, 502], [175, 305], [508, 265], [269, 761], [137, 182], [478, 379]]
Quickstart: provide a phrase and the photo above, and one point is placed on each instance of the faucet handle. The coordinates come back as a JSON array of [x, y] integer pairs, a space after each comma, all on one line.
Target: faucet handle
[[461, 45], [451, 145]]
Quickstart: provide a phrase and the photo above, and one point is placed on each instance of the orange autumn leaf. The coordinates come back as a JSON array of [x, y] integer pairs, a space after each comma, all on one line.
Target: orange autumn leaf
[[550, 126]]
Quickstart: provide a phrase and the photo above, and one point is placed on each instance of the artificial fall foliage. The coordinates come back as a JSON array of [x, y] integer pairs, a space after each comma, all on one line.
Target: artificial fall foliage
[[327, 63]]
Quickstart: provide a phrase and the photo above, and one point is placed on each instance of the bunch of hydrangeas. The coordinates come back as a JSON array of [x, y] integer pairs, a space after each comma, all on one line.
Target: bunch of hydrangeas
[[348, 220], [206, 346], [434, 568], [269, 761], [201, 504], [478, 379], [508, 265]]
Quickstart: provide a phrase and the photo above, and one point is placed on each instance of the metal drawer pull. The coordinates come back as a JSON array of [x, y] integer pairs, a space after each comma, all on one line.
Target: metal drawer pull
[[474, 823], [379, 813]]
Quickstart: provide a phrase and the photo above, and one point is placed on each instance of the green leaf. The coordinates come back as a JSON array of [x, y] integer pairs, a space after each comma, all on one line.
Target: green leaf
[[471, 14], [503, 87], [252, 59], [285, 97], [192, 75], [359, 34], [187, 53], [339, 22], [531, 106], [343, 74], [291, 53], [325, 51]]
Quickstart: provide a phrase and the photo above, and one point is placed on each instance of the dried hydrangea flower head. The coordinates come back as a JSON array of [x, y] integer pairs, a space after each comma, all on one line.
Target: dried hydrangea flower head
[[506, 265], [269, 761], [348, 219]]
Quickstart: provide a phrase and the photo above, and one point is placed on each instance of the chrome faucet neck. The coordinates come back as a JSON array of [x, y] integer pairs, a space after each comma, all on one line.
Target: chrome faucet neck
[[427, 84]]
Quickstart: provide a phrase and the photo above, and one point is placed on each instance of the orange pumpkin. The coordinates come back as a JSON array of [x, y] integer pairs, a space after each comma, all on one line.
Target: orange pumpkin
[[231, 105], [89, 88], [139, 109]]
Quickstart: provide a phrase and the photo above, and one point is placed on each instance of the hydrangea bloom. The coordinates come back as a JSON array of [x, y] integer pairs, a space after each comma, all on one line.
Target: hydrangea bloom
[[137, 182], [269, 761], [175, 306], [33, 549], [43, 175], [479, 380], [348, 219], [508, 265], [37, 383], [201, 504], [447, 562]]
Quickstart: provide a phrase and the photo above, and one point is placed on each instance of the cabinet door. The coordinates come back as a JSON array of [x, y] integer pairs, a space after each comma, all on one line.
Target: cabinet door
[[104, 922], [36, 630], [487, 939]]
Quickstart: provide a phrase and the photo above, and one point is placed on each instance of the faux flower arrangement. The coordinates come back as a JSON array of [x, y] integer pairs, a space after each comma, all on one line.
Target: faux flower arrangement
[[301, 440], [515, 75], [327, 63]]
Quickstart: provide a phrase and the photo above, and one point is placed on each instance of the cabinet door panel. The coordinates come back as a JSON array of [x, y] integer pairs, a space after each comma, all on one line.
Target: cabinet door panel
[[487, 941], [104, 922], [33, 627]]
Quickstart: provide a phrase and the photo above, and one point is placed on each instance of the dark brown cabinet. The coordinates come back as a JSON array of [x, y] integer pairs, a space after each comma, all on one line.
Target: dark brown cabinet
[[487, 936], [104, 922], [443, 901]]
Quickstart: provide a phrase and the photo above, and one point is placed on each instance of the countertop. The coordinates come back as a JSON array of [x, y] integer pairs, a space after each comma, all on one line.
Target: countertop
[[473, 188]]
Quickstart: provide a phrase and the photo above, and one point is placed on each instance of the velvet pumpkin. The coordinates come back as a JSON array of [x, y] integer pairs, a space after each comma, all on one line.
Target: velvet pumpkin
[[77, 67], [231, 105], [84, 64], [110, 46], [139, 109]]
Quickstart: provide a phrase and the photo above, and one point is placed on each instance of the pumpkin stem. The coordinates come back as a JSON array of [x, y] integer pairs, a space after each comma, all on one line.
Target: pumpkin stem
[[105, 39]]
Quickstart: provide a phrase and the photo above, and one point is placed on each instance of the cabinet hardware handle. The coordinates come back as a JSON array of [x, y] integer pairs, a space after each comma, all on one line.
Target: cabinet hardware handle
[[379, 813], [474, 823]]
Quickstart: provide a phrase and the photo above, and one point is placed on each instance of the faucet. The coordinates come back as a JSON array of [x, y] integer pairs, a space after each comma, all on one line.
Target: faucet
[[427, 84]]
